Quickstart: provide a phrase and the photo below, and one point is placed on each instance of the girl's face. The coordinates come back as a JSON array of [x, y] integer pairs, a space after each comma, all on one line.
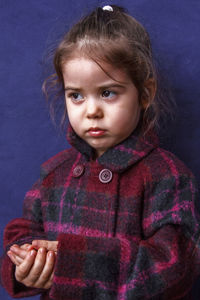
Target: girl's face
[[103, 110]]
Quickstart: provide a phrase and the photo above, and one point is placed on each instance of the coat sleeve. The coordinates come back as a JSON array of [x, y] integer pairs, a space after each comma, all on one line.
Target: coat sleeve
[[162, 265], [20, 231]]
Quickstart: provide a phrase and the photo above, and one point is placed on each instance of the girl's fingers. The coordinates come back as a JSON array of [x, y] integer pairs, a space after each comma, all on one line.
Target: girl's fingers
[[26, 247], [18, 251], [18, 259], [13, 258], [50, 281], [49, 245], [37, 268], [46, 277], [22, 271]]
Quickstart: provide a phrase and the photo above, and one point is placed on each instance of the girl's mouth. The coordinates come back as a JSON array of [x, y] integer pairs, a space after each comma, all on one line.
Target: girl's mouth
[[96, 132]]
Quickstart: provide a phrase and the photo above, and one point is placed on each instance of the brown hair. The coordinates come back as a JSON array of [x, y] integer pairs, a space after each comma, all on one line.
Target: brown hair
[[118, 39]]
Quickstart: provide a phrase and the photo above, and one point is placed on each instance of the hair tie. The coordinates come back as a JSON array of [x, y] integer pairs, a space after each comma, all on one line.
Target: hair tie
[[107, 7]]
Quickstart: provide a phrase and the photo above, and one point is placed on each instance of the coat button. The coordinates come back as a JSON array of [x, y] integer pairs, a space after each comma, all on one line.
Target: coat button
[[78, 170], [105, 176]]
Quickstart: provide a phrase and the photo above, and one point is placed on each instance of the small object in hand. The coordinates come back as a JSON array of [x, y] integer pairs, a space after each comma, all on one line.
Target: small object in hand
[[33, 248]]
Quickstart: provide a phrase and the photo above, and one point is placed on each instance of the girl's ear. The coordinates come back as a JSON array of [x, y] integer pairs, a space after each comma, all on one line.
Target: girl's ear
[[149, 93]]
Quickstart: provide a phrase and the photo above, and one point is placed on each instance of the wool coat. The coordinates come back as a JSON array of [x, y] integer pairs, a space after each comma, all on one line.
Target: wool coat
[[127, 224]]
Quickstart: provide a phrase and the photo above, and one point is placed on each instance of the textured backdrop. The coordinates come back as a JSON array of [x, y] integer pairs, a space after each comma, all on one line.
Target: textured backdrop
[[27, 135]]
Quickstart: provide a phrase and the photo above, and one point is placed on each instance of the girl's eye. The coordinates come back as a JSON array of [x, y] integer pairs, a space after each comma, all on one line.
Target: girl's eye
[[108, 94], [76, 96]]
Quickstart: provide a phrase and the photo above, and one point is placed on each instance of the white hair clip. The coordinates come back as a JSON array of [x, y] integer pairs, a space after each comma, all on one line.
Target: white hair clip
[[107, 7]]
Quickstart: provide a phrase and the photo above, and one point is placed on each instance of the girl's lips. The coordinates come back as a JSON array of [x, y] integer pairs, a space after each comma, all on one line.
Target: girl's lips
[[95, 132]]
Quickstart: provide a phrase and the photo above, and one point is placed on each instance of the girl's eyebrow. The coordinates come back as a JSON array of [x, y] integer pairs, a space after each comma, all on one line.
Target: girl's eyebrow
[[112, 85], [106, 86], [71, 88]]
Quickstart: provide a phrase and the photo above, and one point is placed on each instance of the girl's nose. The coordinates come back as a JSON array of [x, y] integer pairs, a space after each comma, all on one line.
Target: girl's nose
[[94, 109]]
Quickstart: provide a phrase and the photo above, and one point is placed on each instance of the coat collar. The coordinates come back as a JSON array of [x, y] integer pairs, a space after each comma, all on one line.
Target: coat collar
[[122, 156]]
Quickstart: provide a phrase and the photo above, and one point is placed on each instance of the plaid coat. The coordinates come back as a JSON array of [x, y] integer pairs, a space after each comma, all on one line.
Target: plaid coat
[[127, 223]]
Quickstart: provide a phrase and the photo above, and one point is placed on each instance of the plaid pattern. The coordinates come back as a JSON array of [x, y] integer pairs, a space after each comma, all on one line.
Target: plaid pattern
[[136, 237]]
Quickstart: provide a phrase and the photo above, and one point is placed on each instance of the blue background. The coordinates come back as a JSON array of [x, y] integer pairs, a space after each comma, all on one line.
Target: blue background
[[27, 135]]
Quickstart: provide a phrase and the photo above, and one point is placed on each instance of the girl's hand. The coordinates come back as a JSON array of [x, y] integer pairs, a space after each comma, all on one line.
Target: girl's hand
[[18, 253], [36, 269], [49, 245]]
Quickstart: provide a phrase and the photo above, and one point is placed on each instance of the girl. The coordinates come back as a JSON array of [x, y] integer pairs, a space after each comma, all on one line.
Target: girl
[[115, 216]]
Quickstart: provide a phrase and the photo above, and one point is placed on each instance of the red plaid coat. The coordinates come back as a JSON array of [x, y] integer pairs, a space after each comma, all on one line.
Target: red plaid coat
[[127, 224]]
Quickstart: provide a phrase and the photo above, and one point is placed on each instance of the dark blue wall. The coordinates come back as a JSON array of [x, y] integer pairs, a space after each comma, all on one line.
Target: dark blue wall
[[27, 136]]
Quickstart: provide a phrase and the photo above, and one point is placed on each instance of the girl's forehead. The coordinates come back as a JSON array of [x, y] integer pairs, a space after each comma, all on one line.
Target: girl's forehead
[[79, 67]]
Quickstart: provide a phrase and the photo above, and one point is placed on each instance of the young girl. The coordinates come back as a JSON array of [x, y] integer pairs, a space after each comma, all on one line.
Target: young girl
[[115, 216]]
